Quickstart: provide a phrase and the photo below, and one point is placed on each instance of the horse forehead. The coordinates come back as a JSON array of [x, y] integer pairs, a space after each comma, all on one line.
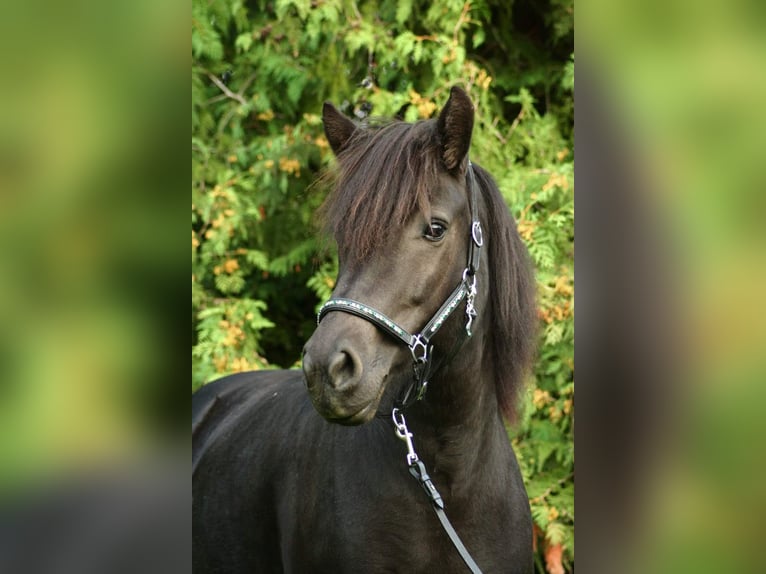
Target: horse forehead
[[450, 193]]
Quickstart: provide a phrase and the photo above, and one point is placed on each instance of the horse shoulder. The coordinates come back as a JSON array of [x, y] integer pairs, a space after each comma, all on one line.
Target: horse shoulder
[[241, 434]]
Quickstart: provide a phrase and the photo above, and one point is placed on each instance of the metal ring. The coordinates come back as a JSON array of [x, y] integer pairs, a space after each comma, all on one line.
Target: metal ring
[[476, 234], [467, 274], [418, 342]]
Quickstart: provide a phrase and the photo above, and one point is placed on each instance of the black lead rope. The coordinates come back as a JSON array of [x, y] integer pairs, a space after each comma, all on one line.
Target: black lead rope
[[418, 471], [421, 348]]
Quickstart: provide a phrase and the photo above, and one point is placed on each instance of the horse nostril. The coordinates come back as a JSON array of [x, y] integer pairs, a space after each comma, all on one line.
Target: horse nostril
[[344, 368]]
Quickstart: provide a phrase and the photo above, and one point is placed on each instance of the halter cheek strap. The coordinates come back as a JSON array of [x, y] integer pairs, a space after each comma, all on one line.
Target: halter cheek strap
[[420, 344]]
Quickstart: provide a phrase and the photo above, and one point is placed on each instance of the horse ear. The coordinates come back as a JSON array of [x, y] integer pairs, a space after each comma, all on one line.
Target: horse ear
[[337, 127], [455, 126]]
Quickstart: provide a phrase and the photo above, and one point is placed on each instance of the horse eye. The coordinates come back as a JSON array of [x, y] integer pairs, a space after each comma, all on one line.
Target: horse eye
[[435, 231]]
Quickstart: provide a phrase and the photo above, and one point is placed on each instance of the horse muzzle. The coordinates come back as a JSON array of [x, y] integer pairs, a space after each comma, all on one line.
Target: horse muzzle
[[343, 387]]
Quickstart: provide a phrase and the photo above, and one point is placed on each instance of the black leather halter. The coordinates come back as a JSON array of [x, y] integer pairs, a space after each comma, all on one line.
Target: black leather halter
[[421, 348], [420, 344]]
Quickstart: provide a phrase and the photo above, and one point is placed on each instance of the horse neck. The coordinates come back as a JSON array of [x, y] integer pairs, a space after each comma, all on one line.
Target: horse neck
[[461, 390]]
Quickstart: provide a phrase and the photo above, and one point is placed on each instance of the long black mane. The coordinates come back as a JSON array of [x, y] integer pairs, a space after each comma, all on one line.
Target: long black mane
[[386, 172], [512, 297]]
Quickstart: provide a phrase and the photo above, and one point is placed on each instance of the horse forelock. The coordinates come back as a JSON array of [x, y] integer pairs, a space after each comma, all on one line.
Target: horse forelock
[[385, 173]]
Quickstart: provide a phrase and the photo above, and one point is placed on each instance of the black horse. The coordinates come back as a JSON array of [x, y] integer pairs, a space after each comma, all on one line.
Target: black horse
[[286, 480]]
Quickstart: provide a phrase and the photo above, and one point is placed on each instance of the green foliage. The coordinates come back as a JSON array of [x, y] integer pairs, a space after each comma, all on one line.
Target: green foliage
[[260, 72]]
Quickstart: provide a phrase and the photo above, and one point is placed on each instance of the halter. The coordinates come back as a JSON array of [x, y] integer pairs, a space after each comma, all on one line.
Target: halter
[[420, 344], [421, 348]]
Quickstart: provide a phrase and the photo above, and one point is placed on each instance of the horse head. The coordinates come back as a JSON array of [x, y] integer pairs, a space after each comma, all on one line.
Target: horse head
[[401, 216]]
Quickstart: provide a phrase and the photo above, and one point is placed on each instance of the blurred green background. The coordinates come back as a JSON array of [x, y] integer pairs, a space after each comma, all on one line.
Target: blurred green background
[[686, 84], [88, 253], [261, 71]]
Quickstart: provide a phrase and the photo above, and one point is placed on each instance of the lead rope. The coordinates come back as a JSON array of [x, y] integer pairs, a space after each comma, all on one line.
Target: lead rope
[[418, 471]]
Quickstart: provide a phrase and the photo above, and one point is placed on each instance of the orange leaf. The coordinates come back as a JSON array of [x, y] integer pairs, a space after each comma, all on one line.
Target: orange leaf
[[553, 559]]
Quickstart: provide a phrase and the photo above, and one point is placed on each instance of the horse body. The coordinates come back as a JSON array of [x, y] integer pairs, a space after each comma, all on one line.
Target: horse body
[[286, 480], [279, 489]]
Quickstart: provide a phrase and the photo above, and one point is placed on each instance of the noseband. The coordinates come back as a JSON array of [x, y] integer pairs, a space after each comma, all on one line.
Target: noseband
[[420, 344]]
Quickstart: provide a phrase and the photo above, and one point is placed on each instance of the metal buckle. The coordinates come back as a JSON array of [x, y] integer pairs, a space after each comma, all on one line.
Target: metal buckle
[[476, 234]]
